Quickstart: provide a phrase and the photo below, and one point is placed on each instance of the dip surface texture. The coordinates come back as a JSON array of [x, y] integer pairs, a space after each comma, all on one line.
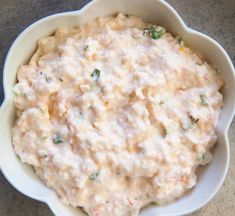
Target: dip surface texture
[[116, 114]]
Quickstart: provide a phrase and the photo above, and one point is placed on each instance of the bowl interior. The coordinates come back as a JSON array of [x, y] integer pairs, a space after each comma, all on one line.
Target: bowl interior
[[22, 176]]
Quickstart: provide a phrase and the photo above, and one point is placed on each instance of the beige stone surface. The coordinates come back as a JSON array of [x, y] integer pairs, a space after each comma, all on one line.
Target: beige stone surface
[[213, 17]]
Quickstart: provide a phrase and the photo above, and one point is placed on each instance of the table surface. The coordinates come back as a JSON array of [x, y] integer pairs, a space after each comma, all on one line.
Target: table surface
[[213, 17]]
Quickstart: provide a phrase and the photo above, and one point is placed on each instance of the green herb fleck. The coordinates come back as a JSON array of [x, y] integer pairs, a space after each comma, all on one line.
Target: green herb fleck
[[155, 32], [44, 138], [178, 39], [94, 176], [86, 48], [161, 102], [45, 156], [203, 100], [57, 139], [96, 74], [48, 79], [202, 157]]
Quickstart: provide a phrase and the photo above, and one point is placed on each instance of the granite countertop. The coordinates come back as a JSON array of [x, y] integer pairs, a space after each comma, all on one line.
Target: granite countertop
[[213, 17]]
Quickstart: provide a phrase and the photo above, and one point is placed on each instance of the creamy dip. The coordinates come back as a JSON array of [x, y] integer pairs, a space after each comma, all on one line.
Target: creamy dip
[[116, 114]]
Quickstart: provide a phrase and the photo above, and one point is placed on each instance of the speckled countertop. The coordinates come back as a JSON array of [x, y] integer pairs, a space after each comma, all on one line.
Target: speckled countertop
[[213, 17]]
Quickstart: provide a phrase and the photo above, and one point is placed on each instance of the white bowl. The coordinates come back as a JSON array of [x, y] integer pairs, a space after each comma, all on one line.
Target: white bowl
[[210, 177]]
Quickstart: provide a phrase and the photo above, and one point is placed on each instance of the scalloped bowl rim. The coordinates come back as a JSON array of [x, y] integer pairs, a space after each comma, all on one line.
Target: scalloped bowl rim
[[187, 30]]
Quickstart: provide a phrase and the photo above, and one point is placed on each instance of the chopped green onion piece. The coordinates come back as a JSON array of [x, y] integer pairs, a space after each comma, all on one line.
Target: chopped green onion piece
[[94, 176], [203, 100], [57, 139], [178, 39], [44, 138], [48, 79], [155, 32], [86, 48], [96, 74], [202, 156]]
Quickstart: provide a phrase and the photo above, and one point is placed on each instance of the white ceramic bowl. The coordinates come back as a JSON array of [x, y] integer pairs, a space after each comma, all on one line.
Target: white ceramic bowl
[[210, 177]]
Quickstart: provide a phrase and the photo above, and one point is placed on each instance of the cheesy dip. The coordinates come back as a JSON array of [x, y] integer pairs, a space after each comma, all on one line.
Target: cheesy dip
[[116, 114]]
